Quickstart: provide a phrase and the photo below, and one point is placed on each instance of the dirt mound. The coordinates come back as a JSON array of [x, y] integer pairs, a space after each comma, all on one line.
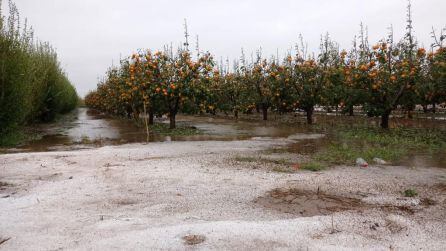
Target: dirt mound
[[193, 239], [307, 203]]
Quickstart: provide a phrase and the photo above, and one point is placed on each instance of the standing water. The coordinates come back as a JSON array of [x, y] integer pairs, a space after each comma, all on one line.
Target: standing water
[[86, 128]]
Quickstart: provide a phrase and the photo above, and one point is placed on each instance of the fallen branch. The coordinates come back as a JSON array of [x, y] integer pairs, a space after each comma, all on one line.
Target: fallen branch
[[4, 240]]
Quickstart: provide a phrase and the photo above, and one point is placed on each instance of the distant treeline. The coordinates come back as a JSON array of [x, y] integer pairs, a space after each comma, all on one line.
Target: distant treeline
[[33, 86]]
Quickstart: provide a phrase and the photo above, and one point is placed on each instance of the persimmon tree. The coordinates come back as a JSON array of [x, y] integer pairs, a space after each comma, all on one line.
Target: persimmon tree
[[354, 74], [310, 76], [392, 72], [279, 77], [379, 78], [257, 79], [233, 92], [433, 89]]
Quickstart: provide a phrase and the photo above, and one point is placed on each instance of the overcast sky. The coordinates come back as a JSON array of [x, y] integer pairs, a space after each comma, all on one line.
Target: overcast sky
[[91, 34]]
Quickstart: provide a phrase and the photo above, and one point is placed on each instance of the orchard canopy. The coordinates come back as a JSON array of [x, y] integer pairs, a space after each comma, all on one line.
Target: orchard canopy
[[378, 78]]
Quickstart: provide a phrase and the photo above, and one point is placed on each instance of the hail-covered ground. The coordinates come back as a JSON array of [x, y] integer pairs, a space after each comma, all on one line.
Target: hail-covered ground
[[214, 195]]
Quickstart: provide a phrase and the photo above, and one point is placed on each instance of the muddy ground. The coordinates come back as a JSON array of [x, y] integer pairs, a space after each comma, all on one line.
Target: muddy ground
[[187, 195]]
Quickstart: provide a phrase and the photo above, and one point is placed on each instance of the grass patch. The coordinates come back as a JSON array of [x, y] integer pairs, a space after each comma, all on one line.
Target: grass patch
[[281, 169], [410, 193], [261, 160], [85, 140], [245, 159], [276, 161], [180, 130], [313, 166], [390, 145], [12, 138], [16, 137]]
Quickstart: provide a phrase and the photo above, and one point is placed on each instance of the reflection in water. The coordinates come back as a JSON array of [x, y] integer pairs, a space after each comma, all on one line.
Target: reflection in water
[[86, 128], [89, 124]]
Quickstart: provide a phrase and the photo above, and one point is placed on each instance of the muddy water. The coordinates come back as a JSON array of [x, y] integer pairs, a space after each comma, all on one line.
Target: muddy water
[[85, 128]]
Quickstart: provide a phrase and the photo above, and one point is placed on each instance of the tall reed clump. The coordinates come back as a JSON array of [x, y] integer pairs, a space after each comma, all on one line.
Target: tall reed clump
[[33, 86]]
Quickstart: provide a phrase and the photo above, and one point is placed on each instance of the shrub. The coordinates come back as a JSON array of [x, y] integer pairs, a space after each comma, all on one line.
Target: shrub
[[33, 86]]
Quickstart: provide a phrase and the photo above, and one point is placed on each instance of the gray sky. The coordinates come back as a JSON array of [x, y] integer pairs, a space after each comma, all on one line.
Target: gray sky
[[91, 34]]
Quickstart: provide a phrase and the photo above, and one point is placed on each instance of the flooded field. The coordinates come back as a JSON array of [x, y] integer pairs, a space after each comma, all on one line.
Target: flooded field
[[85, 128]]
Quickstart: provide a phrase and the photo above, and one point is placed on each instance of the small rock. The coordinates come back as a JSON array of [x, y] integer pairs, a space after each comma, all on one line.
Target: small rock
[[361, 162], [379, 161], [396, 223]]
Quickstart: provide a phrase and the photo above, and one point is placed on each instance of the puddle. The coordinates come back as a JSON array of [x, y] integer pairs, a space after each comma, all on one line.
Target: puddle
[[308, 203], [308, 146]]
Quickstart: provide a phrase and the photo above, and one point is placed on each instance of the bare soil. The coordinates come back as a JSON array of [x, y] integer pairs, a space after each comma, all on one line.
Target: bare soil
[[193, 239], [308, 203]]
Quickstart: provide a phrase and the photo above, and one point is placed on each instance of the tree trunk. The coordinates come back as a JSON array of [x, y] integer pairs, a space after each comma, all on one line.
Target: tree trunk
[[151, 115], [236, 114], [172, 115], [129, 112], [434, 109], [425, 109], [409, 114], [350, 110], [309, 115], [265, 112], [385, 120]]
